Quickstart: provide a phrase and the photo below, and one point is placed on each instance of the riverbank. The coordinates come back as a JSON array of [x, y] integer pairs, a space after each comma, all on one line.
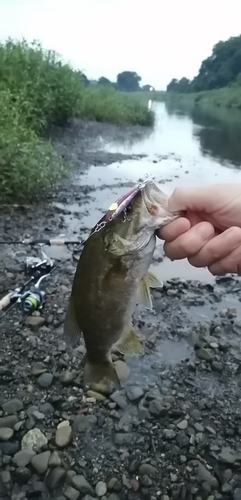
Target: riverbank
[[229, 97], [39, 91], [173, 431]]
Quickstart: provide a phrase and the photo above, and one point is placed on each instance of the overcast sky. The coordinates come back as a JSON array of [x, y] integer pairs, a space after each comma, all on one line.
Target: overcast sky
[[157, 39]]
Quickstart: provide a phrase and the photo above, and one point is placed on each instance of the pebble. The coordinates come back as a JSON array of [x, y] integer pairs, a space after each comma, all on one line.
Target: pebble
[[198, 427], [119, 399], [71, 493], [157, 409], [122, 369], [5, 433], [33, 439], [217, 366], [9, 421], [55, 477], [147, 470], [40, 462], [12, 406], [101, 489], [9, 448], [54, 460], [45, 380], [68, 376], [38, 368], [182, 425], [35, 320], [229, 456], [81, 484], [63, 436], [22, 475], [135, 393], [23, 457], [205, 354]]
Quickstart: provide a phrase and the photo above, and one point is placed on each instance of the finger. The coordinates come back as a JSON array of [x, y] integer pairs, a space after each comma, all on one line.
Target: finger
[[194, 198], [217, 248], [173, 229], [229, 264], [190, 242]]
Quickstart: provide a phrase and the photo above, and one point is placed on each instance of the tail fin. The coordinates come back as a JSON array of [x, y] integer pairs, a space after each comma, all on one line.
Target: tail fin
[[100, 373]]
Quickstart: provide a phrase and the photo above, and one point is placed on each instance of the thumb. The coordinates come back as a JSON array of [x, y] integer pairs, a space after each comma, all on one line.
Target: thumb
[[199, 199]]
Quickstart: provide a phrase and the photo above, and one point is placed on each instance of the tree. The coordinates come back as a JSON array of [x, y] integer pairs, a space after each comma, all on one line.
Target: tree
[[128, 81], [105, 82], [148, 87], [220, 69]]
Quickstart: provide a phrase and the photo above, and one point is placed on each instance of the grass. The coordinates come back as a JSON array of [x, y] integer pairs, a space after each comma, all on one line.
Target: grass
[[37, 91]]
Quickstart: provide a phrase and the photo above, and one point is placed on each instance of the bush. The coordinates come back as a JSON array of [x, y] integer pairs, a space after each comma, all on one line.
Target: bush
[[37, 90], [27, 164], [107, 105], [46, 90]]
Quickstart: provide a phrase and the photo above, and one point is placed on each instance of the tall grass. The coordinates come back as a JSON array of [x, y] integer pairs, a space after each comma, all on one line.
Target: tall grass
[[229, 97], [38, 90]]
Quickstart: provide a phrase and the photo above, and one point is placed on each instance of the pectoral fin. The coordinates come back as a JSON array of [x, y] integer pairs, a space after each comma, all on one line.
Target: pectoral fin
[[129, 342], [72, 332], [148, 281]]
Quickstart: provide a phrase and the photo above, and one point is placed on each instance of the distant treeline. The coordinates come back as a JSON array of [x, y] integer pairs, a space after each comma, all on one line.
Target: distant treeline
[[221, 69], [127, 81]]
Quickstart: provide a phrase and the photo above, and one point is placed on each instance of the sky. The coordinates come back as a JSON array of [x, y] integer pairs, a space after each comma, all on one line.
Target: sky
[[159, 39]]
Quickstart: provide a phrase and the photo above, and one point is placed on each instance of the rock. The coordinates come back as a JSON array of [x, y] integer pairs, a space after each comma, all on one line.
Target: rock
[[217, 366], [182, 439], [169, 434], [12, 406], [22, 475], [206, 476], [35, 320], [146, 481], [55, 460], [147, 470], [63, 436], [38, 368], [45, 380], [82, 485], [34, 439], [157, 409], [40, 462], [113, 496], [122, 369], [237, 494], [114, 484], [23, 458], [64, 423], [182, 425], [46, 408], [8, 422], [6, 434], [9, 448], [205, 354], [55, 477], [198, 427], [71, 493], [229, 456], [135, 393], [100, 489], [119, 400], [122, 439], [68, 376], [97, 395], [84, 423]]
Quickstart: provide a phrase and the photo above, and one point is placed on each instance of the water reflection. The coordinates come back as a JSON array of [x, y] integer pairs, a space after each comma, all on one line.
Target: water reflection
[[217, 129]]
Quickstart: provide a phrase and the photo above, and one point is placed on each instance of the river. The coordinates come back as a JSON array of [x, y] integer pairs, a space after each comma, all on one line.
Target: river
[[186, 147]]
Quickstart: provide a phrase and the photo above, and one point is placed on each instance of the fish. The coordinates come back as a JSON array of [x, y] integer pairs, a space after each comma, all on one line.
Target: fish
[[112, 276]]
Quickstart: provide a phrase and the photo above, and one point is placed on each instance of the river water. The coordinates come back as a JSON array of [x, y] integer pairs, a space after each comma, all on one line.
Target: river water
[[186, 147]]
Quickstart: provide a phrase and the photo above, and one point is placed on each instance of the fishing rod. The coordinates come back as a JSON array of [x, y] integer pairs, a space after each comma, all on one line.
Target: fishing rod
[[29, 295]]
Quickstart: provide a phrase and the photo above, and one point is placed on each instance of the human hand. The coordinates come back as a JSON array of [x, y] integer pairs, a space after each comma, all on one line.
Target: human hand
[[210, 233]]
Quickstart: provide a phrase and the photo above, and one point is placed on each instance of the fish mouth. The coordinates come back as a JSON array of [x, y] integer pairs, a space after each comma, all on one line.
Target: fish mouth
[[156, 202]]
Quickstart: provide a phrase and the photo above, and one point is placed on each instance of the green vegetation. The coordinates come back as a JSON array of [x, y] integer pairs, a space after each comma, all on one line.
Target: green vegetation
[[221, 69], [37, 91]]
